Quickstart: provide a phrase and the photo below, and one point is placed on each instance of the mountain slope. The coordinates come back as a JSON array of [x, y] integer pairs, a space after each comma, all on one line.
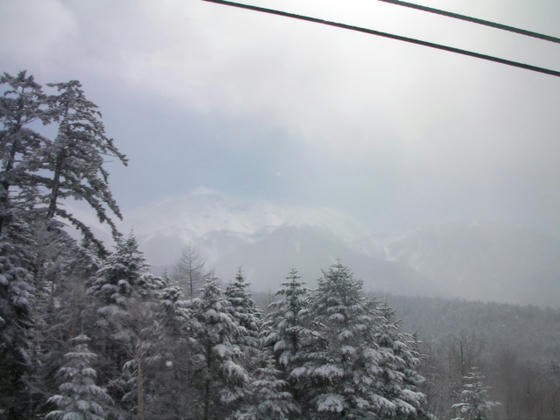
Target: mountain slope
[[484, 261]]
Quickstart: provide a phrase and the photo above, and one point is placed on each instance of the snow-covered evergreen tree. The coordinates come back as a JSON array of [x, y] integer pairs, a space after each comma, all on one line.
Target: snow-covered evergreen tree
[[398, 361], [21, 104], [59, 307], [170, 386], [80, 398], [17, 296], [287, 331], [246, 314], [143, 354], [243, 308], [39, 262], [119, 276], [76, 158], [287, 322], [474, 403], [268, 396], [341, 370], [218, 375], [122, 310]]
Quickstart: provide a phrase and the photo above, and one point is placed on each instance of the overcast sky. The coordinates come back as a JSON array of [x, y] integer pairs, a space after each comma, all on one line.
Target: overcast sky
[[394, 135]]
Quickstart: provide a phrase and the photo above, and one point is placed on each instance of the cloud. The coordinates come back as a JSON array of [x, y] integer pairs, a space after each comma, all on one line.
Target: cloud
[[350, 96], [202, 190], [332, 88], [37, 33], [369, 114]]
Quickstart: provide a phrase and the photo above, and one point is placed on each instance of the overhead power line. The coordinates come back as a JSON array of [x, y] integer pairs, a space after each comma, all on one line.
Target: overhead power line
[[474, 20], [389, 35]]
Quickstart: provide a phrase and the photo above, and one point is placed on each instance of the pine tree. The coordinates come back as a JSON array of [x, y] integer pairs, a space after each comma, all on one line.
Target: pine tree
[[76, 157], [20, 105], [80, 398], [474, 403], [39, 262], [221, 379]]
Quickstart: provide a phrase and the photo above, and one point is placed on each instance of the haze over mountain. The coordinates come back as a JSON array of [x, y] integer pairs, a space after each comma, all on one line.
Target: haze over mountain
[[480, 261]]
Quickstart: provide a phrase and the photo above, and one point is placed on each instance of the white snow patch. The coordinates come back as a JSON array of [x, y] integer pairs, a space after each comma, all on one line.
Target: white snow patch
[[331, 403]]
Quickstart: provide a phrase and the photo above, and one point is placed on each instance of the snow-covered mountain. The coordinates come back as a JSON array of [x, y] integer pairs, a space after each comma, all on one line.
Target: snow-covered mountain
[[263, 238], [481, 261], [217, 224]]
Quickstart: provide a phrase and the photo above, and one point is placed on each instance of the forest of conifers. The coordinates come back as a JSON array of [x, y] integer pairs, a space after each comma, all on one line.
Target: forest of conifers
[[88, 332]]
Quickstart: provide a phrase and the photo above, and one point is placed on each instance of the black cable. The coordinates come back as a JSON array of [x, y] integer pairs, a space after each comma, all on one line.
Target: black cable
[[474, 20], [389, 35]]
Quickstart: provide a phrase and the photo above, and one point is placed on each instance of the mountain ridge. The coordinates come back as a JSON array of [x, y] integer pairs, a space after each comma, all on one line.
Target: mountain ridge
[[482, 260]]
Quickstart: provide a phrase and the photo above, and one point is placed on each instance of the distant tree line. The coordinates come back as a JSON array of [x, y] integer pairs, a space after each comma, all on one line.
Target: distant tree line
[[516, 347]]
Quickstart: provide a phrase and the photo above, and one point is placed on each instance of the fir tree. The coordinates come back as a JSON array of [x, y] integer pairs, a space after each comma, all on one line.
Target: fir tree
[[171, 372], [268, 396], [286, 320], [243, 307], [59, 305], [20, 105], [17, 296], [121, 288], [341, 370], [398, 361], [245, 313], [119, 276], [222, 380], [474, 403], [287, 332], [80, 398]]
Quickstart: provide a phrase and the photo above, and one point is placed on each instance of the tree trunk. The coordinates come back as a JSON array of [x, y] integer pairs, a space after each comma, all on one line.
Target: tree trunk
[[207, 382], [140, 388], [206, 399], [191, 284], [54, 191], [57, 171]]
